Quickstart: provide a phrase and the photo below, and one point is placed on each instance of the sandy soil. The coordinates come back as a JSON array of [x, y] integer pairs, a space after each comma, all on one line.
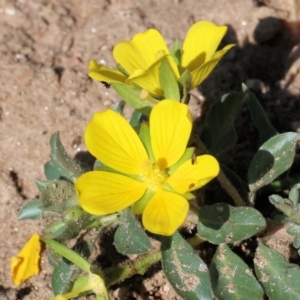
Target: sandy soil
[[45, 47]]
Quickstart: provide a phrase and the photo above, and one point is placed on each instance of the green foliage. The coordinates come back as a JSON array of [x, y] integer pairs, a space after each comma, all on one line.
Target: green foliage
[[223, 223], [273, 158], [218, 133], [130, 238], [57, 195], [176, 52], [168, 81], [260, 120], [185, 83], [228, 277], [231, 278], [31, 210], [132, 97], [290, 207], [61, 164], [68, 253], [279, 278], [62, 277], [185, 270]]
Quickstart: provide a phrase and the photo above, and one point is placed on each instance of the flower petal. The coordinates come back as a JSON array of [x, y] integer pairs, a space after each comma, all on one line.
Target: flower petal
[[170, 129], [111, 139], [148, 80], [165, 213], [189, 177], [102, 193], [201, 42], [141, 51], [102, 73], [203, 71], [26, 263]]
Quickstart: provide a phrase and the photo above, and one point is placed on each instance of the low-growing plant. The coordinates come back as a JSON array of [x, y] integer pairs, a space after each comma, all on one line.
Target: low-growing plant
[[145, 179]]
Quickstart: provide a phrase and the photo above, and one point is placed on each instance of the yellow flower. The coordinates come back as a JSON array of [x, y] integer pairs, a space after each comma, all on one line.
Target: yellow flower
[[140, 58], [26, 263], [149, 173]]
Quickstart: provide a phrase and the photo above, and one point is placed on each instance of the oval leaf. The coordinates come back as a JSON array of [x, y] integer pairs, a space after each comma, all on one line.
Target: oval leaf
[[223, 223], [273, 158], [259, 117], [231, 278], [218, 133], [185, 270], [279, 278], [130, 238], [62, 277], [31, 210], [61, 163]]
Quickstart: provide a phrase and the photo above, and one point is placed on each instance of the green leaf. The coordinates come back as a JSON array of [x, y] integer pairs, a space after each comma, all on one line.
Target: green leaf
[[279, 278], [223, 223], [61, 164], [68, 253], [185, 84], [282, 204], [168, 81], [136, 118], [259, 117], [55, 229], [231, 278], [31, 210], [185, 270], [130, 237], [53, 171], [62, 277], [176, 52], [118, 107], [273, 158], [218, 133], [294, 194], [132, 97], [58, 195]]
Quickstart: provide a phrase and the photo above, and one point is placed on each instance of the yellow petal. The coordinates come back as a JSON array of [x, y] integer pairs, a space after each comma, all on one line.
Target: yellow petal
[[165, 213], [141, 51], [111, 139], [102, 193], [102, 73], [193, 175], [170, 129], [203, 71], [148, 79], [201, 42], [26, 263]]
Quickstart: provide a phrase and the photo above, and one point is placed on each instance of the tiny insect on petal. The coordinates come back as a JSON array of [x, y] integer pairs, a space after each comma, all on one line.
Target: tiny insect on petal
[[26, 263]]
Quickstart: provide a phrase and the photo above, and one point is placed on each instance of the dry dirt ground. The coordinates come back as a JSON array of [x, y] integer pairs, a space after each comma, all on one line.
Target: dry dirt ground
[[45, 47]]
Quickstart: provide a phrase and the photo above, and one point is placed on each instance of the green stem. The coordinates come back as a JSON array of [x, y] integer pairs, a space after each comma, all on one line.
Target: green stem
[[230, 189], [194, 209], [196, 240], [140, 265], [223, 180]]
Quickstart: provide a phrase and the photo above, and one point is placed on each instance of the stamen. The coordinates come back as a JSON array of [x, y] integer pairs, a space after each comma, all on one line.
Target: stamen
[[153, 175]]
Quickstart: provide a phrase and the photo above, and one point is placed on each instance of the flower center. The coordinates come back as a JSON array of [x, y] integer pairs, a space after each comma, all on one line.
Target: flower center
[[153, 175]]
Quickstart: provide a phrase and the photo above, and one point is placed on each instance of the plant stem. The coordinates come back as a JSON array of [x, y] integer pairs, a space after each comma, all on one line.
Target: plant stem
[[223, 180], [230, 189], [140, 265]]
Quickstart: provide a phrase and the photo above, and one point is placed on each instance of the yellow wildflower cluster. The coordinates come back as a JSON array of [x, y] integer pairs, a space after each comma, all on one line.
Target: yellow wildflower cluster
[[153, 172]]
